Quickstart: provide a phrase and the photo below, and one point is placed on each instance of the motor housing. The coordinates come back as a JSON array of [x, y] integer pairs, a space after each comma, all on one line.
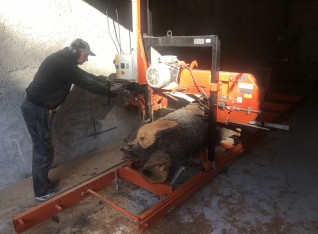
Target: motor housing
[[163, 72]]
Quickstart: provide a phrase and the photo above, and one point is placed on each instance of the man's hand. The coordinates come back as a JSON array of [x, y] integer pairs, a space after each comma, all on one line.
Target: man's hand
[[131, 86]]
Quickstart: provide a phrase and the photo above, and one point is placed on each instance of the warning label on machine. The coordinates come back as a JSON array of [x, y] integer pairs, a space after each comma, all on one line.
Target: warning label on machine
[[245, 88]]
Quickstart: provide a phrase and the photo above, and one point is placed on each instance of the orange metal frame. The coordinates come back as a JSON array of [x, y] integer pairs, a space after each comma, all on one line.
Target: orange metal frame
[[127, 170]]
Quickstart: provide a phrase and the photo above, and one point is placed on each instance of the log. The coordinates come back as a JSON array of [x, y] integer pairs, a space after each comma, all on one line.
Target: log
[[165, 145]]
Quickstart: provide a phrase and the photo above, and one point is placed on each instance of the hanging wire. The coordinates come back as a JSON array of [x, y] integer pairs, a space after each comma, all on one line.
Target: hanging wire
[[129, 41], [118, 25], [195, 82], [121, 51], [116, 36], [110, 33]]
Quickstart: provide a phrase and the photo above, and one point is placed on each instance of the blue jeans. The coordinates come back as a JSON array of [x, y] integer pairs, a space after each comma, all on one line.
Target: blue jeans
[[38, 120]]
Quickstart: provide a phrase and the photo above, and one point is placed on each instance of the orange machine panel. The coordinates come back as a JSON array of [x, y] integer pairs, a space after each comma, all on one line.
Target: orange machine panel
[[239, 95]]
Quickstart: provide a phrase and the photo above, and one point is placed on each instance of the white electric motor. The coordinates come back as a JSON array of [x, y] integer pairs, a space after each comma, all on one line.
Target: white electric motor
[[160, 74]]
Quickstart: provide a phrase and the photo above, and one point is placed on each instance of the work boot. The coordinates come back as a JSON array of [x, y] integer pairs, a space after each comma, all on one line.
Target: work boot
[[54, 183], [46, 197]]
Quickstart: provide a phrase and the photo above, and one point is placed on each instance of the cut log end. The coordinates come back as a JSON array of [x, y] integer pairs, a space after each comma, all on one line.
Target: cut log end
[[147, 134], [156, 169]]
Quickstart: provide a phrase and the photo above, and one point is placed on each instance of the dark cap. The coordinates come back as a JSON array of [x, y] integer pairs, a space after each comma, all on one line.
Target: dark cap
[[82, 45]]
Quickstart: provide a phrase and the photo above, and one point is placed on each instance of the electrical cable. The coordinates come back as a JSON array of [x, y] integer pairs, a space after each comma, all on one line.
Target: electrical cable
[[195, 82], [118, 25], [110, 33], [121, 51], [129, 41], [206, 107], [116, 36]]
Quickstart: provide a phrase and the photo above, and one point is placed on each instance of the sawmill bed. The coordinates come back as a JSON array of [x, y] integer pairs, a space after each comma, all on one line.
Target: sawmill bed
[[220, 199]]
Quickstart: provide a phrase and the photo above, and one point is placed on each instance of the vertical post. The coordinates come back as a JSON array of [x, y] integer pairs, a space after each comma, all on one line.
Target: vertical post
[[149, 109], [213, 101], [142, 64]]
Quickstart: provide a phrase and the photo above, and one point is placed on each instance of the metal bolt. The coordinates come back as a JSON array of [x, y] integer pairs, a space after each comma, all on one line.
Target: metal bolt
[[116, 181], [213, 165], [223, 98]]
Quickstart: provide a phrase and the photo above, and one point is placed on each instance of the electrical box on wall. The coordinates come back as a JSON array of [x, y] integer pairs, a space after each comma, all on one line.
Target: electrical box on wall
[[126, 67]]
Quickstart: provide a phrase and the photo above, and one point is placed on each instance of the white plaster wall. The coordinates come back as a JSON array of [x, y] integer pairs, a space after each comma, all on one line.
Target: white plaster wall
[[30, 30]]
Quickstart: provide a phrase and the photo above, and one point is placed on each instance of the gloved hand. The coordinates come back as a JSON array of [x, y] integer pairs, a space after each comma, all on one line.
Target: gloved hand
[[131, 86], [112, 94]]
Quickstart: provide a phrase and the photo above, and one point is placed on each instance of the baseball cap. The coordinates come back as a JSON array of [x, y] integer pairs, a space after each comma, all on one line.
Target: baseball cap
[[82, 45]]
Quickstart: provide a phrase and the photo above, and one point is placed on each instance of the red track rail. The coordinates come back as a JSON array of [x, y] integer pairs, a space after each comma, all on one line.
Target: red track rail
[[171, 198]]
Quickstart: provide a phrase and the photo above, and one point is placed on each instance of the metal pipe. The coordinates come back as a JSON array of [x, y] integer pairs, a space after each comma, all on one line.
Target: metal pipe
[[213, 101], [112, 204], [181, 169], [270, 125], [248, 125]]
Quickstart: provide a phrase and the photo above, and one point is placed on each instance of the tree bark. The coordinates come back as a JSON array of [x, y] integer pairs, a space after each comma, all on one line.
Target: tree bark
[[165, 145]]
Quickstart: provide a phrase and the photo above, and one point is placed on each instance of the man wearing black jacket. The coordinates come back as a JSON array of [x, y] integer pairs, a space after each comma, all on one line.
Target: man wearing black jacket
[[46, 92]]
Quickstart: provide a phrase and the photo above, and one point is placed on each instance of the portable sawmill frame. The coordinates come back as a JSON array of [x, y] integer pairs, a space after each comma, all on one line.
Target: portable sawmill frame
[[275, 109], [170, 198]]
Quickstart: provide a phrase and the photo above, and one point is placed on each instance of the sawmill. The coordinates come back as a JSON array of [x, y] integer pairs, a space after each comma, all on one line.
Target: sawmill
[[180, 131]]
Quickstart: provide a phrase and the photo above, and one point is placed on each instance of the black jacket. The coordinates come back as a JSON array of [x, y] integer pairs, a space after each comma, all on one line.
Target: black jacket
[[54, 79]]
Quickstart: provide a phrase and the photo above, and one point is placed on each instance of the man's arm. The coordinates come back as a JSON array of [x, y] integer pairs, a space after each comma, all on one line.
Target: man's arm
[[101, 78], [84, 80]]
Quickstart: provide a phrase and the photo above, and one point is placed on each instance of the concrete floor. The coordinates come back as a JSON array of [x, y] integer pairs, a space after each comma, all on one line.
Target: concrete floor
[[273, 188]]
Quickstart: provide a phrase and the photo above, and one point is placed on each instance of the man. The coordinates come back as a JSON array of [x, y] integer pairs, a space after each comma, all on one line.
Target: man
[[46, 92]]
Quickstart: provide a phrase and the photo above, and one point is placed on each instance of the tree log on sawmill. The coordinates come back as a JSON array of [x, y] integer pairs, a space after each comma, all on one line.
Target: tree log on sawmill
[[165, 145]]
